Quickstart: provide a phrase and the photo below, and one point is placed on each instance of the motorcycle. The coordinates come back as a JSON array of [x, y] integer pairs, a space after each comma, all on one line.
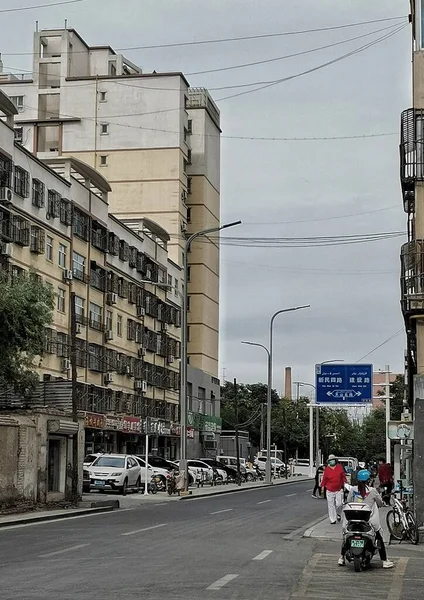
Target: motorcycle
[[151, 486], [160, 482], [171, 482], [359, 537]]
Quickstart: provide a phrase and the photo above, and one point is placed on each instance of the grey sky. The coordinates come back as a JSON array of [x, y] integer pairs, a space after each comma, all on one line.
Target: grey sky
[[271, 182]]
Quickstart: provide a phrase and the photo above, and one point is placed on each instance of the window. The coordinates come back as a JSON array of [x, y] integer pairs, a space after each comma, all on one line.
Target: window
[[53, 204], [188, 162], [18, 101], [19, 134], [38, 193], [109, 320], [188, 214], [20, 230], [103, 160], [190, 126], [61, 300], [21, 182], [188, 303], [119, 325], [185, 134], [188, 273], [62, 256], [104, 128], [81, 225], [102, 96], [49, 248], [78, 266], [38, 238], [79, 309], [95, 316], [170, 281], [95, 357], [176, 287], [189, 187], [188, 334], [65, 212]]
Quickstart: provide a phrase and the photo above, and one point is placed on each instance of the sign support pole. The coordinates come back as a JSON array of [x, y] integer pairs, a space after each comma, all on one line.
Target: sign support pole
[[146, 490], [311, 440], [387, 394]]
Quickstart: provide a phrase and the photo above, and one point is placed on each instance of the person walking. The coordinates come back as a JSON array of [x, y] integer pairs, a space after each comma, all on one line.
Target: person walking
[[333, 481], [385, 477], [317, 487], [364, 492]]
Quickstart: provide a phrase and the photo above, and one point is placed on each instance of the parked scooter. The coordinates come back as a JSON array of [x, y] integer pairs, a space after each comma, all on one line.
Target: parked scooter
[[359, 537]]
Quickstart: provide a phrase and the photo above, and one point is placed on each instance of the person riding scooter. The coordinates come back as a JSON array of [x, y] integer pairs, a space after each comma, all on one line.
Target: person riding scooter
[[363, 492]]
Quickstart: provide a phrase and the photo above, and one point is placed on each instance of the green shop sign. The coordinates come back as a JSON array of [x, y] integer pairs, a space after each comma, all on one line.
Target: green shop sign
[[204, 422]]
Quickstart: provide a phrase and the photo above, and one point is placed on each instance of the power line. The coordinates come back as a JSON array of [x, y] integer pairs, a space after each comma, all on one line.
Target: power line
[[311, 271], [367, 212], [263, 85], [22, 8], [380, 345], [302, 53], [223, 40]]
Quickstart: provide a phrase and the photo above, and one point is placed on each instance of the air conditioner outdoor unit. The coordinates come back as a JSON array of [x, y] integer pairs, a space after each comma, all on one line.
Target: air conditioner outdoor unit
[[171, 359], [67, 275], [66, 365], [128, 370], [78, 329], [108, 335], [148, 274], [164, 326], [140, 385], [141, 311], [141, 352], [7, 250], [113, 298], [6, 195], [144, 386], [108, 378]]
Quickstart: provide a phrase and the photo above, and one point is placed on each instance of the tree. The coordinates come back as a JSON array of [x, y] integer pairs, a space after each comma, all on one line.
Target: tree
[[374, 435], [26, 308], [397, 392]]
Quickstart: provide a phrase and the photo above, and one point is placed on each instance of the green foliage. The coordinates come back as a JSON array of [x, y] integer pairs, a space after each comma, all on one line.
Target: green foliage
[[26, 308], [397, 392], [374, 435]]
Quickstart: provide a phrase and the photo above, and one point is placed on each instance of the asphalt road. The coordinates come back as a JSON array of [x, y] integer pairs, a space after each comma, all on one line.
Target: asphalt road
[[242, 546]]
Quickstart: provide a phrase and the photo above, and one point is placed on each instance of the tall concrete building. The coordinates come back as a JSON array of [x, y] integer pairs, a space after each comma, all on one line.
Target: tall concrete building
[[153, 138]]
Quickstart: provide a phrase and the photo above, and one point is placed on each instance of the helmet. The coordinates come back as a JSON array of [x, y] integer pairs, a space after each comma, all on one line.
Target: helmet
[[363, 475]]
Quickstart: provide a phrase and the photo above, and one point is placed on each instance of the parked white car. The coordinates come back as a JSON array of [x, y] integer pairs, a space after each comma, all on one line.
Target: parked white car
[[198, 470], [90, 458], [116, 472], [276, 463]]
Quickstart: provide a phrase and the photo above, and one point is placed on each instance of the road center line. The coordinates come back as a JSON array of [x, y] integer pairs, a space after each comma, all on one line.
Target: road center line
[[218, 512], [290, 495], [263, 501], [217, 585], [263, 555], [70, 549], [144, 529]]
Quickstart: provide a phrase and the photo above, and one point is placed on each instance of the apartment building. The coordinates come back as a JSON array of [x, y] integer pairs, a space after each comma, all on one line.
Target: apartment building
[[155, 140], [55, 219]]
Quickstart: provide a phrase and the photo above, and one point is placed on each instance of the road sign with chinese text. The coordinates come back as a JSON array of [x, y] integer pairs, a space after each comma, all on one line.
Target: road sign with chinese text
[[343, 384]]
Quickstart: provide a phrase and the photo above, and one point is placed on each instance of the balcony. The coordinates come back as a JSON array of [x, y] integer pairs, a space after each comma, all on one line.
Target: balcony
[[412, 277], [411, 153]]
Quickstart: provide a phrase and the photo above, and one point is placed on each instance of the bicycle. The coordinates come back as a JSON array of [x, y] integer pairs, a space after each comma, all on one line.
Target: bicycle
[[401, 521]]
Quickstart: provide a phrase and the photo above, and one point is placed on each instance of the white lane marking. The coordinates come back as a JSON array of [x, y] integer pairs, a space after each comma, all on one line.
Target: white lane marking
[[310, 490], [217, 585], [290, 495], [144, 529], [263, 501], [161, 504], [263, 555], [70, 549], [218, 512], [42, 522]]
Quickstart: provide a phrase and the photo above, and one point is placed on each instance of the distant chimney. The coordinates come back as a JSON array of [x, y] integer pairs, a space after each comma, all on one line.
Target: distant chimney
[[288, 383]]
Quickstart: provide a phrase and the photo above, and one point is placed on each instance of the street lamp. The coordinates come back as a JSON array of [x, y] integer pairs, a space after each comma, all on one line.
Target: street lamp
[[269, 388], [184, 343]]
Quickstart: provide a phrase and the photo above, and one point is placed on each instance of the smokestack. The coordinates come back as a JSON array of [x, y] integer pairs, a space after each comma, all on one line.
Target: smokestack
[[288, 383]]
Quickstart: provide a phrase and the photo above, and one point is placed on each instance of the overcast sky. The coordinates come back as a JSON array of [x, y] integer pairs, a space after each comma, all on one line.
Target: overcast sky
[[353, 290]]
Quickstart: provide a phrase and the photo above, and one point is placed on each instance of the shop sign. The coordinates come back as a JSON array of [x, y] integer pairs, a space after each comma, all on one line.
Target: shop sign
[[176, 430], [94, 421], [157, 426], [131, 425], [205, 422], [114, 423]]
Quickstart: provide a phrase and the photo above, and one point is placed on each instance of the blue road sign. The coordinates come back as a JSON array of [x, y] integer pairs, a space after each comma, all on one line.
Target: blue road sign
[[343, 384]]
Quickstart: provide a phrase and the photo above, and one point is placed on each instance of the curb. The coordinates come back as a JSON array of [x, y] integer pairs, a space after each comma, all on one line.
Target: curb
[[71, 513], [243, 489], [308, 532]]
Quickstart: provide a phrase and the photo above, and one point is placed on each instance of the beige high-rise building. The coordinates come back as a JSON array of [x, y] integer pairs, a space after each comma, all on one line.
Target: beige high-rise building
[[153, 138]]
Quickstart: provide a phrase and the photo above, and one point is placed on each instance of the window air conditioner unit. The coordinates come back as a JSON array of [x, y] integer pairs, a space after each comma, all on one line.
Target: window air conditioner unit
[[140, 385], [66, 365], [128, 370], [210, 445], [164, 326], [144, 386], [7, 249], [141, 311], [113, 298], [108, 335], [148, 274], [108, 378], [141, 352], [67, 275], [6, 195], [171, 359]]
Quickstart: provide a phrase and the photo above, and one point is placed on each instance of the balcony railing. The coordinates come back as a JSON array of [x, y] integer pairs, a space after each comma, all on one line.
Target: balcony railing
[[412, 277], [411, 147]]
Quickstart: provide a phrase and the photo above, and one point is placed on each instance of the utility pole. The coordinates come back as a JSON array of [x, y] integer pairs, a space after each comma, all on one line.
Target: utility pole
[[262, 443], [387, 395], [74, 380], [285, 439], [236, 414]]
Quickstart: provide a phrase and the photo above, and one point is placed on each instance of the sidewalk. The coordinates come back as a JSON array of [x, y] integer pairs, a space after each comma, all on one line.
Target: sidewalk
[[49, 515], [232, 487], [324, 530]]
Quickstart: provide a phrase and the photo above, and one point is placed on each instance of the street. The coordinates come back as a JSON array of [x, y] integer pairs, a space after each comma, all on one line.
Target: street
[[241, 546]]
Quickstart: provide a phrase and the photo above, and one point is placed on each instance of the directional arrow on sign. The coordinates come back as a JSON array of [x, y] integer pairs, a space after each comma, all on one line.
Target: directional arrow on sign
[[344, 393]]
